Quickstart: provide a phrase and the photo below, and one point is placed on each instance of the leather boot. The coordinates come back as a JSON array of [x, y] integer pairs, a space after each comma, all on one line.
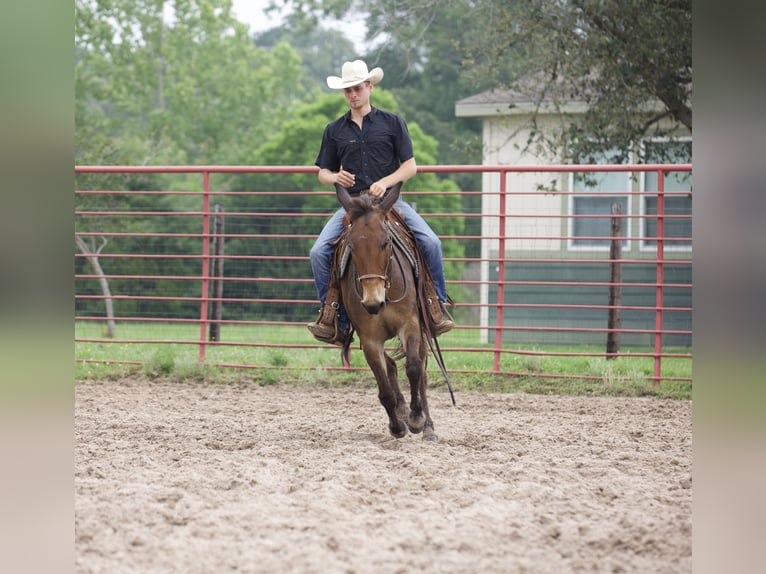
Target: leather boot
[[441, 320], [326, 328]]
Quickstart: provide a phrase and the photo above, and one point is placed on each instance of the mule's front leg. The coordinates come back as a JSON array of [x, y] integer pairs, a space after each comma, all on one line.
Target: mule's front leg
[[428, 429], [415, 373], [424, 419], [419, 419], [401, 406], [376, 358], [415, 366]]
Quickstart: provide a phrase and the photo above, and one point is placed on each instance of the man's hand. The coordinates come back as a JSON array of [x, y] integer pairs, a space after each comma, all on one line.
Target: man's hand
[[377, 189], [345, 178]]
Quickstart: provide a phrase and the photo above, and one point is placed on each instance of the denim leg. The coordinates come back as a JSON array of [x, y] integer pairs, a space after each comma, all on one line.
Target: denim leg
[[429, 244], [321, 260], [321, 253]]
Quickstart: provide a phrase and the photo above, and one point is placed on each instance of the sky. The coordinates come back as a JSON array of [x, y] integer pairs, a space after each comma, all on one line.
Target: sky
[[251, 12]]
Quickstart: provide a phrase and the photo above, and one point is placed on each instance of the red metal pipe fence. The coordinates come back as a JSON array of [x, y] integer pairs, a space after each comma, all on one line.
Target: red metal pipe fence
[[528, 260]]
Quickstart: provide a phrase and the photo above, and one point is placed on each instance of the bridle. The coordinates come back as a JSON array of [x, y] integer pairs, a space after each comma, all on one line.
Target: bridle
[[386, 276]]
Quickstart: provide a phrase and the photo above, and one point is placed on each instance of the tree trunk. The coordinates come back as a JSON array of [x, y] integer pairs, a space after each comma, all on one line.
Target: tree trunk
[[92, 257]]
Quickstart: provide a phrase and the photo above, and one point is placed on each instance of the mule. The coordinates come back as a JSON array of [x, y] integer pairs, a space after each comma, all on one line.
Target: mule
[[379, 291]]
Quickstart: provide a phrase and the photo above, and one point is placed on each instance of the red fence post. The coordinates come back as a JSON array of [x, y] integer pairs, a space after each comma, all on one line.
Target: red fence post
[[660, 297], [205, 263], [500, 274]]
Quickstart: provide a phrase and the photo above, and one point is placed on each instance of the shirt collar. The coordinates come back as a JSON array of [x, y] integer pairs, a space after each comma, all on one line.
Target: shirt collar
[[370, 116]]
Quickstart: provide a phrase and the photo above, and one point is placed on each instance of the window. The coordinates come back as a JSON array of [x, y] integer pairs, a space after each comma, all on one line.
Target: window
[[678, 205], [594, 195]]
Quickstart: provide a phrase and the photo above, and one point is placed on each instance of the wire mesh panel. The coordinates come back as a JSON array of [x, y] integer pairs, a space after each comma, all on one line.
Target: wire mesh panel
[[209, 265]]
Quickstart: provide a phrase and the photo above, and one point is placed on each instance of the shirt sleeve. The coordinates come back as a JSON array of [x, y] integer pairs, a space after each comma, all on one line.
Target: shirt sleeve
[[328, 152], [403, 142]]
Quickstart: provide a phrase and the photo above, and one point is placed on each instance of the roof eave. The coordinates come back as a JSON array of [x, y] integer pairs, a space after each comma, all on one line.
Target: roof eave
[[489, 109]]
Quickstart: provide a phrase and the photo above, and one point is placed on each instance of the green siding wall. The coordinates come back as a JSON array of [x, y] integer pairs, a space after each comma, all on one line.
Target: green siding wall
[[590, 295]]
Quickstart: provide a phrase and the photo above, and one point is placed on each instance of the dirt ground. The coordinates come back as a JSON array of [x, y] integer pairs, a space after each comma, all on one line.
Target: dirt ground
[[203, 478]]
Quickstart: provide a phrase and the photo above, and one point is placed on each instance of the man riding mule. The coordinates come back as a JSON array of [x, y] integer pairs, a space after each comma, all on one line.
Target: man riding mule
[[378, 276], [368, 150]]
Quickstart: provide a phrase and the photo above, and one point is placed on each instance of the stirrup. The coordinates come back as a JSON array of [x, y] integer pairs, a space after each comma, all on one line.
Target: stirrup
[[325, 328]]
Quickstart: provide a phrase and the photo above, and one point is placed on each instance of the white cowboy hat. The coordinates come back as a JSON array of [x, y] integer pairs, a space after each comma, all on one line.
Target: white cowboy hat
[[352, 74]]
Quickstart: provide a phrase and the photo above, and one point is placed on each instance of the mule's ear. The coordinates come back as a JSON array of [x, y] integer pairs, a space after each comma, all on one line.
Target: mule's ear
[[344, 197], [392, 194]]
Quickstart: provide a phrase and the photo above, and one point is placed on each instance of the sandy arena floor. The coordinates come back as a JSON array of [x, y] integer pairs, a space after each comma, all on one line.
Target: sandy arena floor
[[197, 478]]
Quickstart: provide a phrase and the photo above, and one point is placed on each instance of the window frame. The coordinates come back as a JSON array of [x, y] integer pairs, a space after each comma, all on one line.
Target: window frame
[[603, 245]]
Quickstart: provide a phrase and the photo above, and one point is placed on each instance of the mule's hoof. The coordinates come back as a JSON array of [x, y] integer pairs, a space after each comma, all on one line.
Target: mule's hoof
[[415, 423], [429, 435], [398, 431]]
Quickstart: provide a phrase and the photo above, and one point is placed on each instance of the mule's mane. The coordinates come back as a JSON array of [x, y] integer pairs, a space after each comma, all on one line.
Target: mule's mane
[[361, 205]]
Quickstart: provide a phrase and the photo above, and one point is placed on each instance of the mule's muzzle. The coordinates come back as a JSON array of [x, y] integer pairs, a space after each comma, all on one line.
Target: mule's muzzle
[[374, 308], [373, 292]]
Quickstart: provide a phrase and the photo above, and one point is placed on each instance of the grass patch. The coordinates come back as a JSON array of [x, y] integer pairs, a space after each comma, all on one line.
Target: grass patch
[[536, 369]]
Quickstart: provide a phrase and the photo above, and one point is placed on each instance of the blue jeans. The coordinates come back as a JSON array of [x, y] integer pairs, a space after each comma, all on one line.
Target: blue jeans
[[428, 241]]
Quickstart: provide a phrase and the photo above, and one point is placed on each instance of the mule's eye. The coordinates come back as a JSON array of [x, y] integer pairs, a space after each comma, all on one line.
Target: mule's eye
[[385, 245]]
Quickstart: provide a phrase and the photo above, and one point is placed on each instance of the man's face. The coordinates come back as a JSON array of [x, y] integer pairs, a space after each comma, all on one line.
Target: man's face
[[358, 96]]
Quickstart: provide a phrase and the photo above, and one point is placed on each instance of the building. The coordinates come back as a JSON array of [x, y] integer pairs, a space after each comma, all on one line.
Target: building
[[558, 226]]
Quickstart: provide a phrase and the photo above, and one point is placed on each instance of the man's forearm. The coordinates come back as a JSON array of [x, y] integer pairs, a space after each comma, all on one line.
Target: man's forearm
[[405, 171], [326, 177]]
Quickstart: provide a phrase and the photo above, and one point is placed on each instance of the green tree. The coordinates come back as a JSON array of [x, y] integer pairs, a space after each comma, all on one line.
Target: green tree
[[180, 82], [421, 51], [166, 82], [621, 57], [630, 61], [191, 88], [320, 49]]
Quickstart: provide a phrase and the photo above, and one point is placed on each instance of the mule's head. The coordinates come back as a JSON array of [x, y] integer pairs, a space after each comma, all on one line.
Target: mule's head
[[370, 243]]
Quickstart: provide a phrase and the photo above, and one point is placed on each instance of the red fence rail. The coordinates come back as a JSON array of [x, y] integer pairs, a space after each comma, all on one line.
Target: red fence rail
[[521, 237]]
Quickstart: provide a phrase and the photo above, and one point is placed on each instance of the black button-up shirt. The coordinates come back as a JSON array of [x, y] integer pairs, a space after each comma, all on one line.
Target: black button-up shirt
[[370, 153]]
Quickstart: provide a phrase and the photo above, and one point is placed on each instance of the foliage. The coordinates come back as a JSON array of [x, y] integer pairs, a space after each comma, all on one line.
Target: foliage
[[629, 61], [180, 82], [191, 90], [320, 49], [422, 62]]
